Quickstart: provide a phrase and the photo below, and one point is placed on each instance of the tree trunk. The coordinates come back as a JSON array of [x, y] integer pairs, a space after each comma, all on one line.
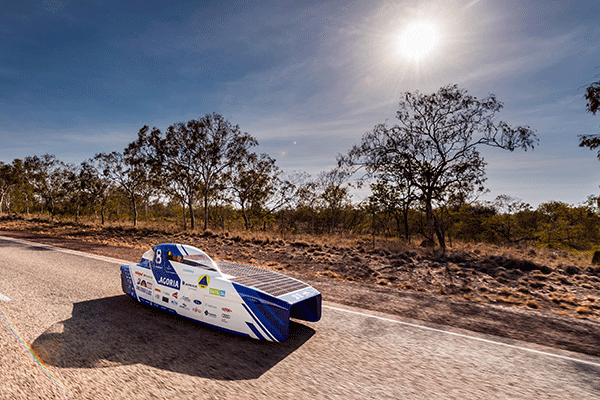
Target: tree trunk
[[246, 219], [135, 211], [184, 216], [430, 219], [406, 233], [205, 209], [332, 227], [439, 231], [192, 217]]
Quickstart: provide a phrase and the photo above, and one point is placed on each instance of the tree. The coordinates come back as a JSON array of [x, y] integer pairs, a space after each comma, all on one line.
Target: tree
[[22, 194], [94, 185], [170, 162], [193, 156], [334, 192], [433, 148], [395, 196], [504, 222], [48, 176], [592, 95], [9, 178], [75, 196], [252, 184], [127, 172], [219, 146]]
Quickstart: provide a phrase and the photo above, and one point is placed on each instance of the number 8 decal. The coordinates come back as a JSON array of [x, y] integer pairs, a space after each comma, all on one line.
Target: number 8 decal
[[158, 259]]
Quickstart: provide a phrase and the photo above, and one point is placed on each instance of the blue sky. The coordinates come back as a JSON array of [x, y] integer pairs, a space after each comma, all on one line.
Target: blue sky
[[307, 79]]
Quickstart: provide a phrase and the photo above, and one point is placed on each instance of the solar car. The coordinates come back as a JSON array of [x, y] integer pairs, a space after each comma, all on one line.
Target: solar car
[[242, 299]]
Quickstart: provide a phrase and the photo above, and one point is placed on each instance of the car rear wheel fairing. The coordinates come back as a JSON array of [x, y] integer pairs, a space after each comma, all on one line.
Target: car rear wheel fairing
[[269, 313], [307, 309]]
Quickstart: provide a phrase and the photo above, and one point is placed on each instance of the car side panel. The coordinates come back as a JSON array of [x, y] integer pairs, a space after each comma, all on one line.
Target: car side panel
[[218, 304]]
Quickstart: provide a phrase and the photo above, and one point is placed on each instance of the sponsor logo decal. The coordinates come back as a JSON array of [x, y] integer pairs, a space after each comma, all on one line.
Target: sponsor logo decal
[[185, 298], [211, 306], [157, 290], [195, 309], [192, 286], [168, 282], [175, 294], [143, 283], [224, 309], [144, 290], [225, 316], [139, 273], [173, 302], [208, 314], [184, 306], [165, 299], [197, 302], [157, 296], [189, 271], [203, 281], [216, 292]]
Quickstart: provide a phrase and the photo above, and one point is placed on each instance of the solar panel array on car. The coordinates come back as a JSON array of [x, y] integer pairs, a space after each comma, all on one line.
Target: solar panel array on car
[[270, 282]]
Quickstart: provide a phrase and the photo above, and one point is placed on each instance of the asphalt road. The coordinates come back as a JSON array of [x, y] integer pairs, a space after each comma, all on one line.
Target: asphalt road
[[91, 341]]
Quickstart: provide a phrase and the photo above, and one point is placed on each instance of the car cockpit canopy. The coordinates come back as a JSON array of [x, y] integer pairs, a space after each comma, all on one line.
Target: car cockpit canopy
[[183, 254]]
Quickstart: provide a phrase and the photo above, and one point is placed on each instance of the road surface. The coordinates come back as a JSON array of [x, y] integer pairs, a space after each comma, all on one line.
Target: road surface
[[67, 331]]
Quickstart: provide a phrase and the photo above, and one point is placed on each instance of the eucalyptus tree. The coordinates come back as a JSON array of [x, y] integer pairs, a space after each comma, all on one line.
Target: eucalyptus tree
[[434, 147], [48, 177], [192, 157], [9, 178], [219, 145], [169, 161], [21, 195], [128, 172], [252, 184], [395, 199], [334, 192], [94, 185]]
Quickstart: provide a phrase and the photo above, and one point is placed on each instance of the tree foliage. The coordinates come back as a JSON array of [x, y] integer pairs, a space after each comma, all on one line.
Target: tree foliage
[[592, 95]]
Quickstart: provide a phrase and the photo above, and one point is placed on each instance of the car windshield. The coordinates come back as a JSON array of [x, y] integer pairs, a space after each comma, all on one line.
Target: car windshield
[[199, 260], [149, 255]]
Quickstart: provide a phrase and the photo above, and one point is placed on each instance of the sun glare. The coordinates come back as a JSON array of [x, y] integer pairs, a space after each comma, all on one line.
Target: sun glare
[[418, 40]]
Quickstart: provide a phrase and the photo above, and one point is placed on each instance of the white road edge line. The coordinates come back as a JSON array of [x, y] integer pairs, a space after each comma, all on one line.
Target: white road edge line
[[4, 298], [67, 251], [124, 262], [462, 335]]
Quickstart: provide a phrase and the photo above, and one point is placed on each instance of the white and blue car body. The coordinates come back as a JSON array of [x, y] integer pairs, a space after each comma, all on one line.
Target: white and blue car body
[[242, 299]]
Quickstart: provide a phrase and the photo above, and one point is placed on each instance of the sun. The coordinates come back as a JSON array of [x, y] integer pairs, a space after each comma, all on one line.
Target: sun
[[418, 40]]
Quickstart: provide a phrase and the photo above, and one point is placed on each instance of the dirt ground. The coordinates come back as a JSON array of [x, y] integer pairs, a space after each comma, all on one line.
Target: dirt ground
[[543, 296]]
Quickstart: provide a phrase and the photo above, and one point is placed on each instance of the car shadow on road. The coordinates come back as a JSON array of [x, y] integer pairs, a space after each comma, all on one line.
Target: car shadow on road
[[117, 331]]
